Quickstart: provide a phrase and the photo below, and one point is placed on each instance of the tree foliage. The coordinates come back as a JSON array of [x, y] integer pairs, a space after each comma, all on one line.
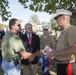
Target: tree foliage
[[2, 26], [34, 19], [43, 23], [48, 6], [54, 25], [4, 13]]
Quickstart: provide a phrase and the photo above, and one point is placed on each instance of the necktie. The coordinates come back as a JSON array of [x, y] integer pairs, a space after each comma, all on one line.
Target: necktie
[[29, 40]]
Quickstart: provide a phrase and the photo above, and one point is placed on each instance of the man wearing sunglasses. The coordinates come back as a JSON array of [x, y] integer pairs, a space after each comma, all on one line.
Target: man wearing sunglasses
[[13, 50]]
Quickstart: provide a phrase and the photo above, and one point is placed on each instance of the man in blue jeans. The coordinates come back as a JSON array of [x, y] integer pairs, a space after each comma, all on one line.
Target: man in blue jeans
[[13, 50], [46, 40]]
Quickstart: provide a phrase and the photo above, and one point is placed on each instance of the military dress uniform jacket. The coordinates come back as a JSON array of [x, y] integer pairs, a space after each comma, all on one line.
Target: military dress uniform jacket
[[35, 47], [66, 40], [47, 40]]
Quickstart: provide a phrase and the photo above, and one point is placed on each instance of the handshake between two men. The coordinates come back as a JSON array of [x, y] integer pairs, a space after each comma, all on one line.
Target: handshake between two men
[[47, 51]]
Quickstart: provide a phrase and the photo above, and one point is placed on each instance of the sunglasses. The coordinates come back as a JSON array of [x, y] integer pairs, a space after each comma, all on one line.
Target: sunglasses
[[19, 25]]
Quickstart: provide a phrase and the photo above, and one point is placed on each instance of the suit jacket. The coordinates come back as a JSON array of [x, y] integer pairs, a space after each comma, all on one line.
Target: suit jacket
[[35, 47]]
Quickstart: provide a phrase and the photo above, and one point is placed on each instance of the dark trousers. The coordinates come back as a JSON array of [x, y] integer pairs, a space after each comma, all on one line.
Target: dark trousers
[[0, 57], [62, 69]]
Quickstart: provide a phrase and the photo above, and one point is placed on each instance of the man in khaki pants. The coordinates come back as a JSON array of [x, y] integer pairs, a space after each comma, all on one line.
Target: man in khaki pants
[[31, 43]]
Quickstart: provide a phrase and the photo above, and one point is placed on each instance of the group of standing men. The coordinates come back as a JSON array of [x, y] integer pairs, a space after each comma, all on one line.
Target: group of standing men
[[27, 48]]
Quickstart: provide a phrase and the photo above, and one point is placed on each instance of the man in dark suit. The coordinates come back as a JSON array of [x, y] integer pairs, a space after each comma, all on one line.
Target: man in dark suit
[[31, 43]]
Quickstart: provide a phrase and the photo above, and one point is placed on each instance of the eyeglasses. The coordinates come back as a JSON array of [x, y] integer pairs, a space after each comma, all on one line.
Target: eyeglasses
[[19, 25]]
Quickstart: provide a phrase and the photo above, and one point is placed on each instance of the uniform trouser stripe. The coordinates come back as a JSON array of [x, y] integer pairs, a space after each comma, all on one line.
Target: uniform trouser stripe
[[69, 69], [66, 69], [48, 66]]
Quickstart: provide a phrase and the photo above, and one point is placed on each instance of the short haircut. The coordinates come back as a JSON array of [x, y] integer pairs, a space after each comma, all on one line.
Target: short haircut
[[12, 22], [28, 25]]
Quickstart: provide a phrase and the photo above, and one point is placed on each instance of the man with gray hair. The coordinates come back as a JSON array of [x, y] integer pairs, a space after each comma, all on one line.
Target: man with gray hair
[[31, 43]]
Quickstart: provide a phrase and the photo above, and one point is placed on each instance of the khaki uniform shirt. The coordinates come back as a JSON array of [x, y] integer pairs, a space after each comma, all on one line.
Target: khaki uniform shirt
[[47, 41], [66, 40], [11, 44]]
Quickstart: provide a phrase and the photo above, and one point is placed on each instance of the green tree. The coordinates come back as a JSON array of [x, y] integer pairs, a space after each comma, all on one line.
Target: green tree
[[4, 13], [2, 26], [48, 6], [34, 19], [54, 25], [43, 23]]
